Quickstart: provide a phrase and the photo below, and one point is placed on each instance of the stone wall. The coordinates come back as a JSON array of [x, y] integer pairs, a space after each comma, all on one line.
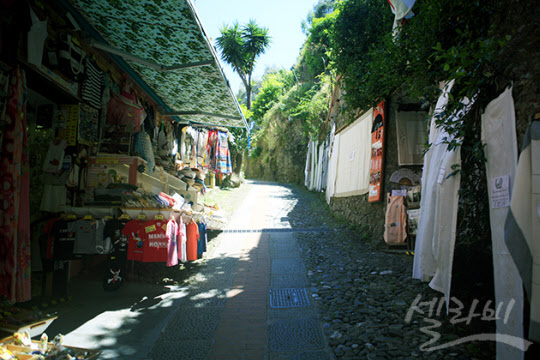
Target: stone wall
[[282, 155]]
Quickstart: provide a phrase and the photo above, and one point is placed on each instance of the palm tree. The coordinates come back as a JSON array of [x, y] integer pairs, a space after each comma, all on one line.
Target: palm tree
[[240, 48]]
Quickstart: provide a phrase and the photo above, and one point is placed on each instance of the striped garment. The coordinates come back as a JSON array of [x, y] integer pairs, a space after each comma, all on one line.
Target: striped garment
[[522, 224], [223, 156], [92, 85]]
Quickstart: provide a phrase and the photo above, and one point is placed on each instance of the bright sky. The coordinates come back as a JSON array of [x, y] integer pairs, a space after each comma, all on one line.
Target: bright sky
[[283, 18]]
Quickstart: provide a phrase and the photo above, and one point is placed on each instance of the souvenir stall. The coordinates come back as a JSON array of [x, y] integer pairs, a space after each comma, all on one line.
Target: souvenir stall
[[127, 122]]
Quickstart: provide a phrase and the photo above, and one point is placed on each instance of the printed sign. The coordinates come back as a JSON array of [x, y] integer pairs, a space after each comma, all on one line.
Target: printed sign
[[500, 192], [377, 149], [399, 192]]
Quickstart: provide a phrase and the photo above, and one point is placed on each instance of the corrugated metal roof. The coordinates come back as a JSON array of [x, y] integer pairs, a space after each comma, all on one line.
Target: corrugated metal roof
[[168, 33]]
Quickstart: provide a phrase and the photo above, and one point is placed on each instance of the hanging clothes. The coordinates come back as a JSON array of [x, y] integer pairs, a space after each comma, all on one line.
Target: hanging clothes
[[155, 243], [332, 165], [172, 244], [201, 243], [182, 241], [212, 150], [183, 146], [223, 156], [92, 84], [307, 170], [201, 143], [325, 161], [88, 234], [522, 224], [422, 268], [314, 160], [14, 196], [135, 242], [499, 137], [436, 236], [192, 232], [113, 236]]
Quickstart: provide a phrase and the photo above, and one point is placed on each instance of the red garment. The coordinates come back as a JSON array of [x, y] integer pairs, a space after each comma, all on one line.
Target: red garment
[[14, 196], [135, 242], [192, 231], [154, 235], [47, 229]]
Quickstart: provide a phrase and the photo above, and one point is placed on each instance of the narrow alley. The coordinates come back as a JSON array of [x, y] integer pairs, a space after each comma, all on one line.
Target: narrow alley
[[284, 280]]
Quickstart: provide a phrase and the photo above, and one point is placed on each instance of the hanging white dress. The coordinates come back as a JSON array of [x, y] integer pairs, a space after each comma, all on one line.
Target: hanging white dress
[[434, 251], [424, 263], [499, 137]]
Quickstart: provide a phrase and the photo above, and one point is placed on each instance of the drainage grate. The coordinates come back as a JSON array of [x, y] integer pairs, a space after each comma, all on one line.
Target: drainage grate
[[287, 298], [277, 230]]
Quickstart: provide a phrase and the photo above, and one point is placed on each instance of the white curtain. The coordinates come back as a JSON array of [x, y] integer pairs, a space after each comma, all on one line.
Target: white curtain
[[332, 164], [522, 224], [499, 137], [435, 240], [352, 174], [307, 170]]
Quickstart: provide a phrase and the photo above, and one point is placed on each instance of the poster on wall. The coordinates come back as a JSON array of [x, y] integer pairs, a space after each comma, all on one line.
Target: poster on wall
[[377, 149]]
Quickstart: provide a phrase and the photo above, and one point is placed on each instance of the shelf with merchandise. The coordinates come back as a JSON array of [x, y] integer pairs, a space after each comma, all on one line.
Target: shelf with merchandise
[[106, 169]]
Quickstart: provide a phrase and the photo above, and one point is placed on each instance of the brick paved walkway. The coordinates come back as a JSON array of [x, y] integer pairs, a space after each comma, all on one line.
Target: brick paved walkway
[[241, 333]]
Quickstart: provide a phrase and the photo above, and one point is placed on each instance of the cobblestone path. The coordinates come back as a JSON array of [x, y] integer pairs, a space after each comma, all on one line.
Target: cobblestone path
[[284, 280], [287, 281]]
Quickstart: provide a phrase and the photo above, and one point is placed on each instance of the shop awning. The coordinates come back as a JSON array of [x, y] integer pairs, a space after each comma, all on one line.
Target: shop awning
[[165, 45]]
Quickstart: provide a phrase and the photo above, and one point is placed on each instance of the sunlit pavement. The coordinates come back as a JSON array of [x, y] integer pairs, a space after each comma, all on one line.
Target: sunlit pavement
[[252, 257], [247, 300]]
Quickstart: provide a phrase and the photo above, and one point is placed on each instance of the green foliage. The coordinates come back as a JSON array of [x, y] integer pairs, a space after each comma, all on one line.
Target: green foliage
[[240, 48], [273, 86], [314, 57], [445, 40], [358, 30], [311, 109], [320, 10]]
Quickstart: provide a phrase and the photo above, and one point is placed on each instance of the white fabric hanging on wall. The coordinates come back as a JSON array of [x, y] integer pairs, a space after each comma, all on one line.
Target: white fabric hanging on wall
[[320, 170], [314, 159], [424, 264], [444, 232], [499, 137], [352, 174], [326, 154], [522, 224], [307, 170], [332, 164], [435, 241]]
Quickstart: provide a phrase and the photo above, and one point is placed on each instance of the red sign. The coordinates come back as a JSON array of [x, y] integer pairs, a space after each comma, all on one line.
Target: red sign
[[377, 149]]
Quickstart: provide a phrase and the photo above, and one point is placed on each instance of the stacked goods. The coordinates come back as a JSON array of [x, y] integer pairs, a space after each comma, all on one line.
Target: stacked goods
[[23, 348]]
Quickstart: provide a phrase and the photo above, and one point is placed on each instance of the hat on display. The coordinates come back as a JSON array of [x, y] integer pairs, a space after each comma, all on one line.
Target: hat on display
[[199, 174], [199, 185], [189, 181], [187, 172]]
